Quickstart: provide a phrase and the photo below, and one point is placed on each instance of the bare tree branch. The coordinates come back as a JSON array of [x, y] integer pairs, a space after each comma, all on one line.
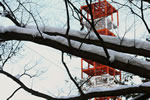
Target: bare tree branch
[[14, 93], [117, 47], [11, 53], [68, 21], [48, 38], [101, 93], [141, 16], [79, 88], [37, 26], [93, 27], [10, 14], [33, 92], [136, 69]]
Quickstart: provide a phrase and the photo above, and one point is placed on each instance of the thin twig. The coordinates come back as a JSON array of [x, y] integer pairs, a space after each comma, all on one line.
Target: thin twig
[[23, 86], [68, 22], [97, 34], [14, 93], [32, 17], [81, 92]]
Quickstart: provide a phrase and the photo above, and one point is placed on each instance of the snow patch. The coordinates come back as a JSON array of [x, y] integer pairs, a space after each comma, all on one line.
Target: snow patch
[[110, 39], [18, 76], [127, 42], [4, 13], [2, 29], [146, 84], [67, 97], [20, 30], [103, 89], [119, 87]]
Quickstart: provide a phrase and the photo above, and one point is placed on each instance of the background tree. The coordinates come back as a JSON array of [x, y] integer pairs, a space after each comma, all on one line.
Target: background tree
[[74, 42]]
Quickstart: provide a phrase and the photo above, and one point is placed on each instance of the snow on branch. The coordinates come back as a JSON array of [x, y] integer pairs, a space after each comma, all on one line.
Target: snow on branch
[[125, 45], [114, 91], [56, 38]]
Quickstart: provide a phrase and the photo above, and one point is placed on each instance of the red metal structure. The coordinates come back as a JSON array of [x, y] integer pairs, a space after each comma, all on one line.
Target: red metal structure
[[101, 9]]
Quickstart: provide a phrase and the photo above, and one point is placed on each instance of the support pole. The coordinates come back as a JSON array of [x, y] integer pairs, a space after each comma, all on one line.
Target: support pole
[[82, 68]]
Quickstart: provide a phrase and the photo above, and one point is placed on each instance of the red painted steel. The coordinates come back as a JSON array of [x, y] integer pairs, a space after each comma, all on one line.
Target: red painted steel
[[99, 9]]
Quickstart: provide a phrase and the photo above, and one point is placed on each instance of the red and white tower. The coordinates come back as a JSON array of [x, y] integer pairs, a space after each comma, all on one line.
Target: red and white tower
[[102, 75]]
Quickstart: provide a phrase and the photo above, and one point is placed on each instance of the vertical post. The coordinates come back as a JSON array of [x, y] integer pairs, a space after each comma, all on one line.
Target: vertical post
[[94, 68], [106, 32], [112, 18], [81, 20], [99, 1], [82, 68], [114, 72], [117, 19], [120, 76], [107, 69], [93, 11]]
